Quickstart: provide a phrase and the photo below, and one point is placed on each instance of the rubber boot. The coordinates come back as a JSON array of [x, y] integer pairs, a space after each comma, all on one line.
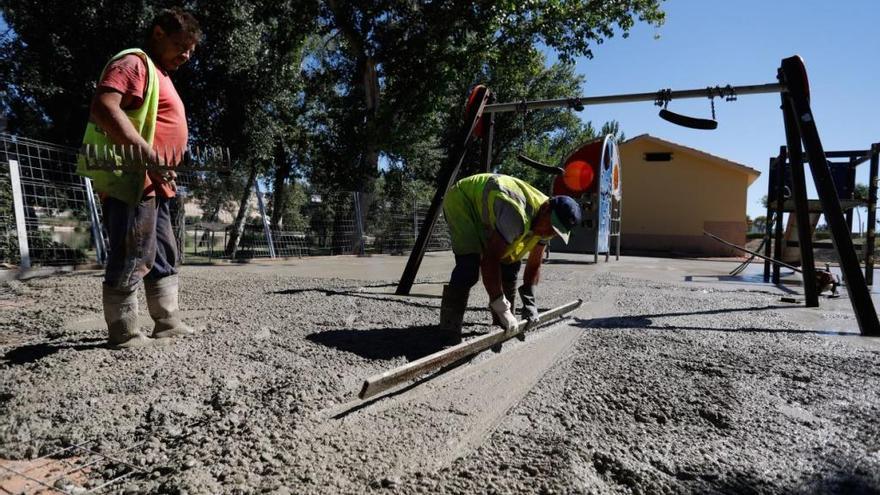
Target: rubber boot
[[121, 315], [452, 309], [162, 301]]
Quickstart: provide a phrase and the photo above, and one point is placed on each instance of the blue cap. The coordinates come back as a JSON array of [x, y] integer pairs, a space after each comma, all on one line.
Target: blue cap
[[566, 213]]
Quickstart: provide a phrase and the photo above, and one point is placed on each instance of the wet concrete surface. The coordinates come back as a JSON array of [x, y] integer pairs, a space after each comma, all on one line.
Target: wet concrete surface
[[673, 377]]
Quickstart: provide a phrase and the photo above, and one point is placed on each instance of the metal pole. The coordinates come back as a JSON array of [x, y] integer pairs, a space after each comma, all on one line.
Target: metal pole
[[18, 206], [97, 228], [444, 182], [358, 213], [801, 205], [768, 227], [781, 163], [871, 231], [850, 212], [262, 207], [630, 98], [753, 253], [797, 102], [489, 129], [181, 223]]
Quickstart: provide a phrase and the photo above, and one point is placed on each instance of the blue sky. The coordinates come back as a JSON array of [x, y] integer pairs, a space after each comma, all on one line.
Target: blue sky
[[708, 42]]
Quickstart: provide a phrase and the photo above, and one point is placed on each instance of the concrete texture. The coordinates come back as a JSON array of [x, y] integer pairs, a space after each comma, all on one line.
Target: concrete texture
[[672, 377]]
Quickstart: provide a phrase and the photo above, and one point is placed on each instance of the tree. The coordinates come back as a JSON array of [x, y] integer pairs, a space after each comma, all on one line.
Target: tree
[[398, 63], [759, 224]]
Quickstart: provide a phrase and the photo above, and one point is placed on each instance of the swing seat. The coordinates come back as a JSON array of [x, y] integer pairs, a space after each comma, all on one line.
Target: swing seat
[[685, 121]]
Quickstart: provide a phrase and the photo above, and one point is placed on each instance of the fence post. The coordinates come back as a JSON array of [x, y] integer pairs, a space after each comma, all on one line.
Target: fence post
[[358, 213], [180, 197], [97, 228], [18, 205], [266, 228], [415, 219]]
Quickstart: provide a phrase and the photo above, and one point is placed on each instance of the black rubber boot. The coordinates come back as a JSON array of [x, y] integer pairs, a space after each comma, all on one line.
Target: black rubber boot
[[452, 309]]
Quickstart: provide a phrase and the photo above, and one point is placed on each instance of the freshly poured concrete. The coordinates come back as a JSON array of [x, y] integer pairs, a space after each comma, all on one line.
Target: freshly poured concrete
[[673, 377]]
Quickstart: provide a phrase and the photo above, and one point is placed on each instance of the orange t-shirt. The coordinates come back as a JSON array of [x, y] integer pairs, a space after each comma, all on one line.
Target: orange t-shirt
[[128, 75]]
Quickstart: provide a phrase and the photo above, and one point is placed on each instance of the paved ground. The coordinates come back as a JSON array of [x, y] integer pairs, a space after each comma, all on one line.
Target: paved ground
[[671, 378]]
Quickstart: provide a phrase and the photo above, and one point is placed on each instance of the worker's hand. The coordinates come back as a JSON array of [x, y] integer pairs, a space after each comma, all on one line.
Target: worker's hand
[[169, 177], [501, 308], [530, 305]]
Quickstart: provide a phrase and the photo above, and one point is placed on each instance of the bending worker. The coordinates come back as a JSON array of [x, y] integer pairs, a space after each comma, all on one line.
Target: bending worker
[[136, 105], [494, 221]]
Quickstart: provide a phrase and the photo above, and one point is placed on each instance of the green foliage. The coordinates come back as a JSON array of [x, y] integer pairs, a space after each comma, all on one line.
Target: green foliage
[[759, 223], [296, 203], [321, 90]]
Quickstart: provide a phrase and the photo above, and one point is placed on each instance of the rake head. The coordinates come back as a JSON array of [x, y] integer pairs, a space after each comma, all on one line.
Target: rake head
[[128, 158]]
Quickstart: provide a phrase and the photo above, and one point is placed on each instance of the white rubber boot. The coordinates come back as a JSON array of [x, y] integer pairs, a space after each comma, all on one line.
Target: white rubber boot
[[121, 315], [162, 301]]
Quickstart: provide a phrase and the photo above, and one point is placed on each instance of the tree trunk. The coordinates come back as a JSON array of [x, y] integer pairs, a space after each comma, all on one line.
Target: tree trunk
[[369, 79], [238, 225], [365, 81], [279, 195]]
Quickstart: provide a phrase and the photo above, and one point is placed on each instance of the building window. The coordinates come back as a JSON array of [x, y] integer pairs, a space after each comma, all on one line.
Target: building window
[[658, 157]]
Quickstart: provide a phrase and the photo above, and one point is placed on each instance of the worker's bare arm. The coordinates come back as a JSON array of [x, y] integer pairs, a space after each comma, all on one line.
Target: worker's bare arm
[[533, 266], [490, 265], [107, 112]]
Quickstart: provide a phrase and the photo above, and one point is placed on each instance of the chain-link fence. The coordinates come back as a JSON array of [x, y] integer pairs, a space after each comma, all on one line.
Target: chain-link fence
[[44, 202], [49, 213]]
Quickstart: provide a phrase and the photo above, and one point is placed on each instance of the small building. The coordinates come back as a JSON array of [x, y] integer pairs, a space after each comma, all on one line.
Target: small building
[[672, 193]]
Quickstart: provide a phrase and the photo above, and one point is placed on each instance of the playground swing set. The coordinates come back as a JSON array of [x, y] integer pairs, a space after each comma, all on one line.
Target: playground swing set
[[803, 146], [802, 140]]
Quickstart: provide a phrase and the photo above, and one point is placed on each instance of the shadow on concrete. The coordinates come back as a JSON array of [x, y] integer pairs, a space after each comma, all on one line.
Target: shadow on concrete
[[744, 279], [385, 343], [752, 483], [32, 353], [634, 322], [563, 261], [375, 297]]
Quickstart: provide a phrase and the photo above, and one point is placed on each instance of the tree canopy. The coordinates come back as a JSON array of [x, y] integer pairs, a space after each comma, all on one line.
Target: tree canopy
[[328, 91]]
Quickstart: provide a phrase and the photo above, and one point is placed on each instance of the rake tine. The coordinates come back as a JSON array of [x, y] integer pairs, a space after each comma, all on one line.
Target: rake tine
[[113, 156]]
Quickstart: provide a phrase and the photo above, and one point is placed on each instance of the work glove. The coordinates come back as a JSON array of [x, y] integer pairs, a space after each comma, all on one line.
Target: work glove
[[530, 306], [501, 308]]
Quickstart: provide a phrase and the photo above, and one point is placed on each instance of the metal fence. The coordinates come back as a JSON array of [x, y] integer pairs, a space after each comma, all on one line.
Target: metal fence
[[50, 216]]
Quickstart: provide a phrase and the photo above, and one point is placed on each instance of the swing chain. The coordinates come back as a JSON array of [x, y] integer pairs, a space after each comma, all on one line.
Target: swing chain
[[727, 92], [522, 108], [710, 93], [664, 96]]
